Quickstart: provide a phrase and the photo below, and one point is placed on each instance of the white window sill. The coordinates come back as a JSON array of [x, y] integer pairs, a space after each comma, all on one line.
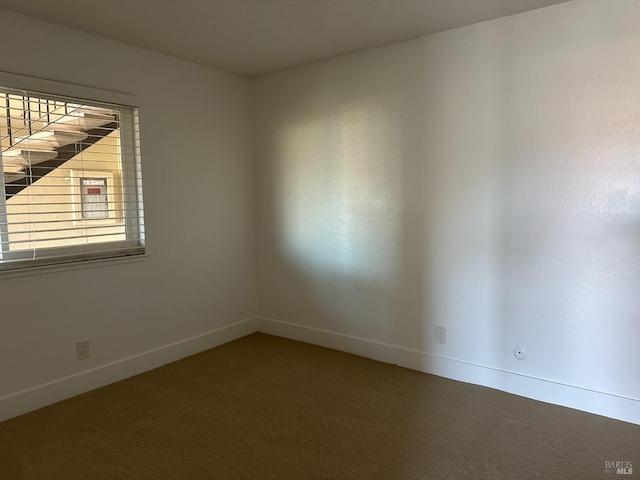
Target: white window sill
[[62, 267]]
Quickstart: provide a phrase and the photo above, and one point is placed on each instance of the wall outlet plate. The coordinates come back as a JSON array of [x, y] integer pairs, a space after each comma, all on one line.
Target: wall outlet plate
[[441, 335], [82, 349]]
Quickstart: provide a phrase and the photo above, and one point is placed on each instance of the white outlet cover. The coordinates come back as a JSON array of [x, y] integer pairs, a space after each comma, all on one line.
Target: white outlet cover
[[520, 353]]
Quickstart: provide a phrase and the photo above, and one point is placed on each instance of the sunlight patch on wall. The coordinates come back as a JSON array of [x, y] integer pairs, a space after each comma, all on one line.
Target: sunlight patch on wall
[[340, 193]]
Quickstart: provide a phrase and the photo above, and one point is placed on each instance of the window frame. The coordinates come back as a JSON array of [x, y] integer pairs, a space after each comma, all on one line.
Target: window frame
[[98, 253]]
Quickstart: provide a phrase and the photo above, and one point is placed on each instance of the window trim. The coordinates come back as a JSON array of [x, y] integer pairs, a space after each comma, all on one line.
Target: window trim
[[28, 271], [130, 169], [52, 87]]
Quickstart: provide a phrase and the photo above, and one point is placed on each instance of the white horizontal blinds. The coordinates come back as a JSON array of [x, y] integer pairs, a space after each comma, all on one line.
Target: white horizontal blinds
[[71, 179]]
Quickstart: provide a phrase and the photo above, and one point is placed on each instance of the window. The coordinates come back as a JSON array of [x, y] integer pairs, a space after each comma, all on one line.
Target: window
[[69, 174], [95, 202]]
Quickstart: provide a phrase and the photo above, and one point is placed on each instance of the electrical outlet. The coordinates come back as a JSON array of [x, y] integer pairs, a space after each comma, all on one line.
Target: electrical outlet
[[82, 349], [441, 335]]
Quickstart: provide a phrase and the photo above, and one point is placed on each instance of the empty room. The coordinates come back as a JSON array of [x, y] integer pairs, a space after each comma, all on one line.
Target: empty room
[[320, 239]]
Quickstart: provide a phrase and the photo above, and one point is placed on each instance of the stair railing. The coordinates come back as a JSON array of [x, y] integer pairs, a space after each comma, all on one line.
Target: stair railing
[[26, 113]]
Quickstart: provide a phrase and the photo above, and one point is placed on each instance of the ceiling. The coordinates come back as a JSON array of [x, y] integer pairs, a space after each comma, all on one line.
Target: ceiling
[[253, 37]]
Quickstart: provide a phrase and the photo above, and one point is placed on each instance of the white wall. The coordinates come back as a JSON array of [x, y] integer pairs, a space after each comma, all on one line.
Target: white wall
[[486, 179], [199, 210]]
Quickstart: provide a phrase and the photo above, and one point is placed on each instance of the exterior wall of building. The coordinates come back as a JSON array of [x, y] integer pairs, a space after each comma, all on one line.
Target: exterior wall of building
[[49, 212]]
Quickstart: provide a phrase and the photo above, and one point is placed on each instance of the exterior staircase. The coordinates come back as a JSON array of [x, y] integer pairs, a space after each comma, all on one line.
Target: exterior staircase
[[35, 142]]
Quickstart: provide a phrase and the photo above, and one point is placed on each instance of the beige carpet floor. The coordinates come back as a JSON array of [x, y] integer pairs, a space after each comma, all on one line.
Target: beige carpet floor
[[264, 407]]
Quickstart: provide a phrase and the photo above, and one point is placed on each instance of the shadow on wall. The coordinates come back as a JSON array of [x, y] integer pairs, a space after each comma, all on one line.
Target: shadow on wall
[[383, 194], [341, 217], [472, 179]]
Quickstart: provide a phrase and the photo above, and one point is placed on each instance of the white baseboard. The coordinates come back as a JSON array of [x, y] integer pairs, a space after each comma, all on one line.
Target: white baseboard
[[600, 403], [42, 395]]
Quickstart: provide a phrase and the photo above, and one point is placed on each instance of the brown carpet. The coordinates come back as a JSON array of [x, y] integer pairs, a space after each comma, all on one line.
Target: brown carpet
[[264, 407]]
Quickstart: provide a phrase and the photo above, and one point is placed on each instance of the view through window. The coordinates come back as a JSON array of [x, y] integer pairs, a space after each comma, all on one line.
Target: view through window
[[71, 180]]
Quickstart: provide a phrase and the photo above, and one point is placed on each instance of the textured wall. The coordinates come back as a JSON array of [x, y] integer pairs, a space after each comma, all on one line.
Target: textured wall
[[485, 179]]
